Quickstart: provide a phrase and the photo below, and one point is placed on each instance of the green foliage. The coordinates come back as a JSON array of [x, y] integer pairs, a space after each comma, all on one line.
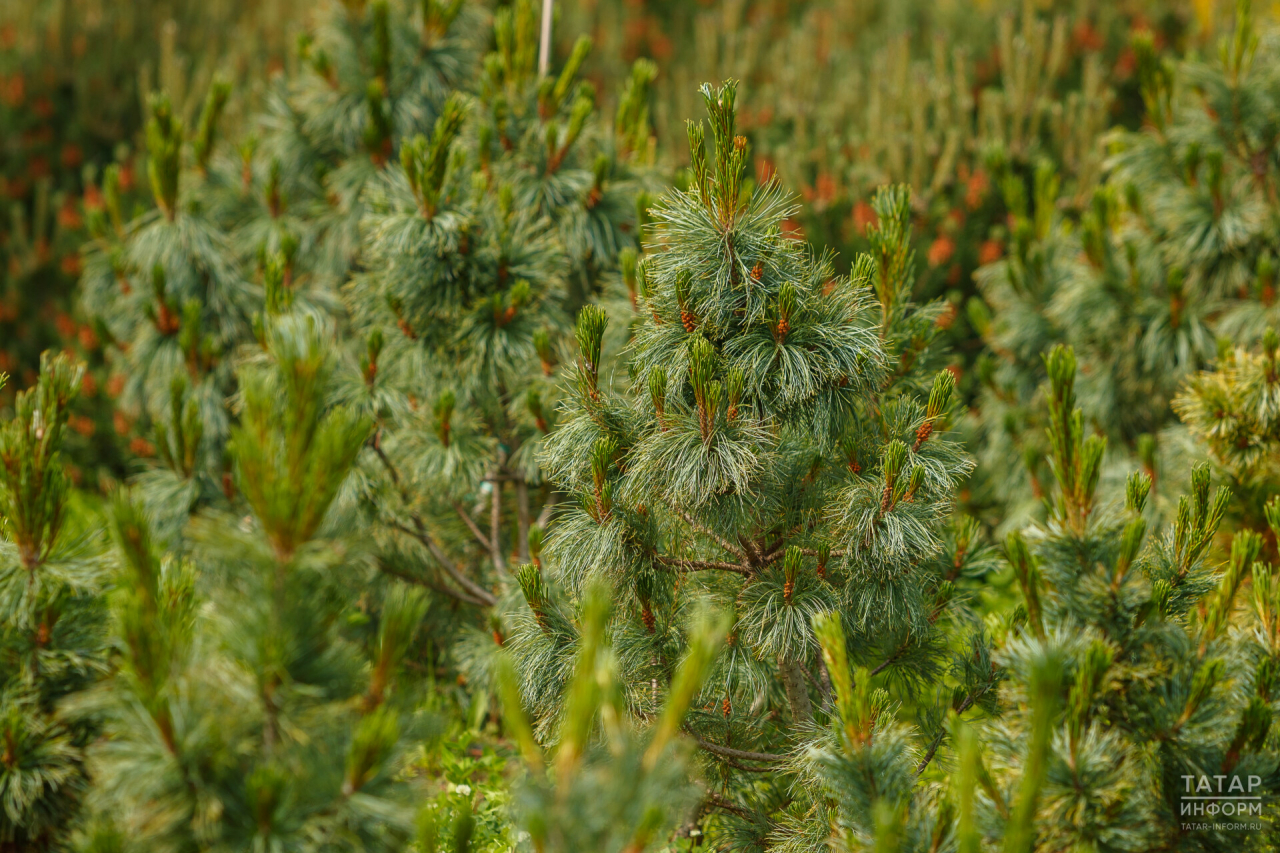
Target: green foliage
[[433, 402]]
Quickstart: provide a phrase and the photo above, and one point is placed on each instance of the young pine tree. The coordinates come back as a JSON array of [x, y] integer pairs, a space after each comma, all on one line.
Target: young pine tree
[[773, 457], [562, 164], [608, 786], [480, 245], [51, 627], [250, 707], [174, 303], [1134, 665], [1131, 667], [373, 75]]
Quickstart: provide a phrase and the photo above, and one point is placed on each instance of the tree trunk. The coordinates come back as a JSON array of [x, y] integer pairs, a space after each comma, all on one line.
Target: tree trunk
[[495, 527], [797, 692], [522, 515]]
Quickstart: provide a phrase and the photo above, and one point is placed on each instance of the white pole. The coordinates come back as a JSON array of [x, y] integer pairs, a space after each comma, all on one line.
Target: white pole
[[544, 54]]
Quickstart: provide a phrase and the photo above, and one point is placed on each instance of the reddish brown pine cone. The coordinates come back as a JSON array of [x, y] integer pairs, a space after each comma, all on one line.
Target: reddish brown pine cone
[[167, 322], [922, 434]]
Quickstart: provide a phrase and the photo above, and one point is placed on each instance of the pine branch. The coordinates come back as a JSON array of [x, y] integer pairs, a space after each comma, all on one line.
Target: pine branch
[[486, 598], [937, 739], [716, 801], [728, 752], [774, 554], [472, 526], [701, 565], [419, 532], [893, 658], [720, 540], [409, 577]]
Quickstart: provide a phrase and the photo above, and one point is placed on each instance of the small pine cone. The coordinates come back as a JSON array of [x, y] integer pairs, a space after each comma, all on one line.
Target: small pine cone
[[497, 637], [167, 322], [731, 639], [407, 330], [650, 622], [725, 707], [822, 570], [733, 413], [508, 315], [787, 589], [922, 434], [854, 466], [757, 271], [784, 327], [689, 321]]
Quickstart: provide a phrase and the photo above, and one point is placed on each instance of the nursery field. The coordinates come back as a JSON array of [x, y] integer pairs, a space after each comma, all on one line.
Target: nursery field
[[639, 426]]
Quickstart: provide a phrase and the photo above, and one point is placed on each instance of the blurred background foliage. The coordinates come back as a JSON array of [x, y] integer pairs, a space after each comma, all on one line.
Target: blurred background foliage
[[837, 98]]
